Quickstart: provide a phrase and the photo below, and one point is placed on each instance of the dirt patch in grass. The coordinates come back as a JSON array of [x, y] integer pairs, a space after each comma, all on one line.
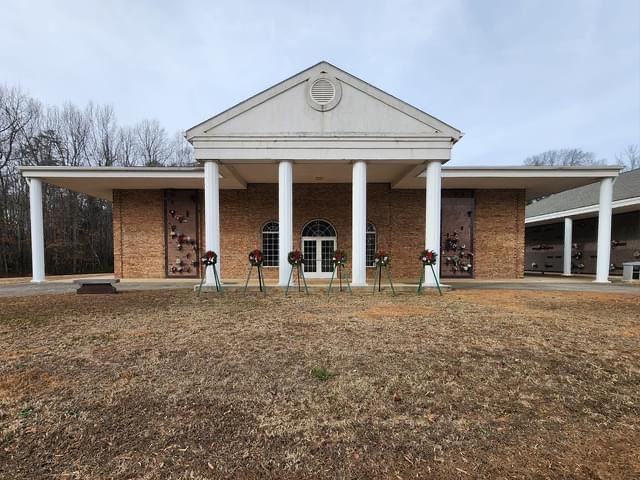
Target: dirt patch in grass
[[25, 383], [474, 384], [387, 311]]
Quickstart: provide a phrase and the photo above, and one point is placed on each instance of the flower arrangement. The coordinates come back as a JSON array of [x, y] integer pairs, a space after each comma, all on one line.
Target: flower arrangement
[[339, 258], [209, 258], [295, 257], [461, 261], [382, 258], [428, 257], [255, 258], [456, 256]]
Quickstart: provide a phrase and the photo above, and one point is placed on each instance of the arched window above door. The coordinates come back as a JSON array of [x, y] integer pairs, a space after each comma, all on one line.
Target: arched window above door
[[318, 228]]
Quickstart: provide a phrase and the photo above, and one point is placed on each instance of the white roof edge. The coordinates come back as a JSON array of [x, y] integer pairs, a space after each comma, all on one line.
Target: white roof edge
[[599, 171], [625, 202], [36, 168], [533, 167], [447, 171], [128, 172]]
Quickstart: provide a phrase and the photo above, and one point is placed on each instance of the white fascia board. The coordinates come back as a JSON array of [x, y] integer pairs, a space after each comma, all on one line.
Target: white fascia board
[[111, 172], [373, 148], [322, 154], [327, 136], [323, 141], [580, 211], [525, 172]]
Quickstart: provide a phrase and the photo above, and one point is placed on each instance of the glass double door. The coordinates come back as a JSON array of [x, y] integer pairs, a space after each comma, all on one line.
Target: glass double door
[[318, 256]]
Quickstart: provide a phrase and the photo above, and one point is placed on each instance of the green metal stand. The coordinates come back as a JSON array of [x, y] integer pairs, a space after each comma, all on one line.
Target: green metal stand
[[300, 274], [215, 275], [341, 271], [377, 279], [261, 284], [422, 280]]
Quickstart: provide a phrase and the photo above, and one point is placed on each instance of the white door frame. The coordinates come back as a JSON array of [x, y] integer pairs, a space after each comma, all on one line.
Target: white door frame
[[318, 273]]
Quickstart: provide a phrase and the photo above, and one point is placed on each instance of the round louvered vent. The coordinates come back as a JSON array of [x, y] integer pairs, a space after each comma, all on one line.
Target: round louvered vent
[[323, 93]]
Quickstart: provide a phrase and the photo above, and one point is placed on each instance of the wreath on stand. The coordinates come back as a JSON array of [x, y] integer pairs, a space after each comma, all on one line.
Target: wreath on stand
[[255, 258], [339, 258], [255, 261], [210, 259], [339, 261], [382, 258], [296, 260], [428, 258], [381, 262]]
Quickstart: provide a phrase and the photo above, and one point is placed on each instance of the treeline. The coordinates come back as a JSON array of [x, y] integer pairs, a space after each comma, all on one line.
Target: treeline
[[78, 228], [628, 158]]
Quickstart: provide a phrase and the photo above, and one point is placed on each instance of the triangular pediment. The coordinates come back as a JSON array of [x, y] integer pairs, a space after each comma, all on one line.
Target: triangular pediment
[[291, 108]]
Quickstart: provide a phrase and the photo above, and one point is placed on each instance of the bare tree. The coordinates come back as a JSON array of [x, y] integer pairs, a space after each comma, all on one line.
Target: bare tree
[[566, 157], [104, 140], [17, 111], [74, 128], [42, 148], [181, 151], [152, 143], [126, 147], [629, 157]]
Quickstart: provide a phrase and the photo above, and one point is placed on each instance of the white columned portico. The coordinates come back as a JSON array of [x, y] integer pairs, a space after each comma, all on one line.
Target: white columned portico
[[359, 223], [285, 219], [568, 242], [432, 216], [212, 214], [604, 230], [37, 230]]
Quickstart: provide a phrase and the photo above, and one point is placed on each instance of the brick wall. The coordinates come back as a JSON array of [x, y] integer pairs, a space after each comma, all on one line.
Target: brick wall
[[244, 212], [406, 232], [397, 214], [499, 234], [117, 233], [138, 234]]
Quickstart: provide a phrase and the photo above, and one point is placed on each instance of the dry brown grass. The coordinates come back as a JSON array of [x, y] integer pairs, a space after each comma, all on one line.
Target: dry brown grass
[[475, 384]]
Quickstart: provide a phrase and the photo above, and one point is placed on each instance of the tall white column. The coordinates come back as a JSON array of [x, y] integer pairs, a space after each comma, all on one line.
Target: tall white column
[[432, 216], [37, 230], [359, 224], [568, 241], [285, 219], [212, 214], [604, 231]]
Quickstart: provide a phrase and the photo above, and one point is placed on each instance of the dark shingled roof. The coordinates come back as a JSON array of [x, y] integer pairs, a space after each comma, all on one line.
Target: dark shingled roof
[[627, 185]]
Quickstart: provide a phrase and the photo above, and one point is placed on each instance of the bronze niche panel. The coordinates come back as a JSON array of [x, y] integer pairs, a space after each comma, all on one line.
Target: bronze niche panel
[[181, 214], [456, 260]]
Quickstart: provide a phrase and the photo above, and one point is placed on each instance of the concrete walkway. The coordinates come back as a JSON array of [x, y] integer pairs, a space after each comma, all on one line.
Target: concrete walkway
[[57, 285], [564, 285]]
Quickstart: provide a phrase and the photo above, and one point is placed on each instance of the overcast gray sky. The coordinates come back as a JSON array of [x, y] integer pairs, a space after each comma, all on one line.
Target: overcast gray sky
[[518, 77]]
